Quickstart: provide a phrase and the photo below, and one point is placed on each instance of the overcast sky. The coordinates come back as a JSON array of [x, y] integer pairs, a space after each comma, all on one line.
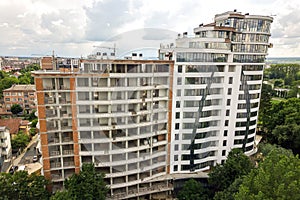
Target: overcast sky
[[78, 27]]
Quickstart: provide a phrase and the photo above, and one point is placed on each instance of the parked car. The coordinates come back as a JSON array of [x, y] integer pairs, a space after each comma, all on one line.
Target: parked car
[[35, 159], [13, 169]]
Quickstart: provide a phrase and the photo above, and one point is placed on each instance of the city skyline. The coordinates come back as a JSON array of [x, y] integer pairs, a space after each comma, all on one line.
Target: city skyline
[[36, 28]]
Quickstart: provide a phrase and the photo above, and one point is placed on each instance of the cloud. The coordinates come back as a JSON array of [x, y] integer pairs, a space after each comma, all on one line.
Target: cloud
[[105, 18], [72, 29]]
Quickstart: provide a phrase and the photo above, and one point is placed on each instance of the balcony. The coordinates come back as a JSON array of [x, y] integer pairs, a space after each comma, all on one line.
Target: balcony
[[51, 128], [69, 164], [68, 152], [65, 115], [53, 140], [56, 177], [54, 153], [142, 191], [67, 139], [55, 165], [49, 100]]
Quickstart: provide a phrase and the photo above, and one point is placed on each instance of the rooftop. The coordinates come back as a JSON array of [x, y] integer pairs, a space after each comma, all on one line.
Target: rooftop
[[20, 88], [12, 124]]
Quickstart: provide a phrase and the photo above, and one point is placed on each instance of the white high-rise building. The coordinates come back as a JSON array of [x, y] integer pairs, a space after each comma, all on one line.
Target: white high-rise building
[[218, 75]]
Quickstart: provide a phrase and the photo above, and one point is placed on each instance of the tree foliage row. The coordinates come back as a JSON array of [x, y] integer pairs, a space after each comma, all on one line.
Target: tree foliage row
[[22, 186], [20, 141], [88, 184], [280, 123], [276, 177]]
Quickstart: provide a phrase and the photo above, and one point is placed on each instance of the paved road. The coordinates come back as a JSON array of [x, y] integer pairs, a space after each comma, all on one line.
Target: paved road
[[27, 158], [17, 161]]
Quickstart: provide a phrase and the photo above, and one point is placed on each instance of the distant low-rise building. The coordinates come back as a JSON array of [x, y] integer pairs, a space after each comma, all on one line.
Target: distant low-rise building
[[15, 125], [24, 95]]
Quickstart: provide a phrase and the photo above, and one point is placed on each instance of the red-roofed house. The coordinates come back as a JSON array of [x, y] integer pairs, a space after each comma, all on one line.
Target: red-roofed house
[[15, 125]]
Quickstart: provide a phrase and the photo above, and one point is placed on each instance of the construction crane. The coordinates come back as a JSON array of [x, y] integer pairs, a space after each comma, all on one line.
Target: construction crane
[[106, 47]]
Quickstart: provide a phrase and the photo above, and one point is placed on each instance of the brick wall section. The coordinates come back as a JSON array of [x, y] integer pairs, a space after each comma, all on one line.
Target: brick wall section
[[38, 84], [43, 126], [170, 117], [74, 124]]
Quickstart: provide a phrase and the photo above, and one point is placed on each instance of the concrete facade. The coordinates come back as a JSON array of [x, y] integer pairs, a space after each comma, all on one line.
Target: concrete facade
[[113, 113]]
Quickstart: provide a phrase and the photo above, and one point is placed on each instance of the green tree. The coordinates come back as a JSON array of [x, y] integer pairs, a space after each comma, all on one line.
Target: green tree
[[21, 140], [266, 148], [61, 195], [88, 184], [7, 82], [236, 165], [265, 104], [277, 177], [26, 79], [294, 89], [16, 108], [22, 186], [192, 190], [228, 193], [283, 124]]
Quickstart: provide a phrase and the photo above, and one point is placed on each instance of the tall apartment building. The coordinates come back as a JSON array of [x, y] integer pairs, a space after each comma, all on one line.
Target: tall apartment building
[[24, 95], [113, 113], [218, 75]]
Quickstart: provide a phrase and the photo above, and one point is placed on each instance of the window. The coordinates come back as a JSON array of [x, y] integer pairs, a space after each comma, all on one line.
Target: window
[[226, 122], [177, 115], [179, 81], [227, 112], [225, 133], [229, 91], [82, 82], [223, 152], [178, 93], [224, 143], [175, 168], [177, 104], [176, 136], [231, 68], [177, 126], [176, 147], [179, 68], [228, 102], [230, 80]]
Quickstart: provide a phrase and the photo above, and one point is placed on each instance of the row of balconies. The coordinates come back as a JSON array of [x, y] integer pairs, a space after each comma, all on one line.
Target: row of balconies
[[146, 190], [65, 152]]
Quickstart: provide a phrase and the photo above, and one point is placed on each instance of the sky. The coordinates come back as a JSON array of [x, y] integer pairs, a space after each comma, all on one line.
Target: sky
[[76, 28]]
